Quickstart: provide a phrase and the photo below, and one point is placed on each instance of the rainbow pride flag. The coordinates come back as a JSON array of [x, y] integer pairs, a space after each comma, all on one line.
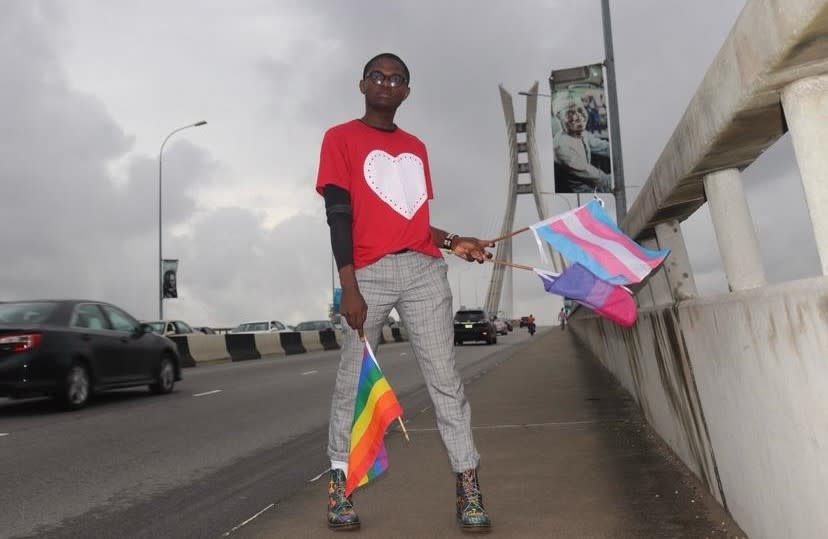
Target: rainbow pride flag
[[376, 407], [588, 236]]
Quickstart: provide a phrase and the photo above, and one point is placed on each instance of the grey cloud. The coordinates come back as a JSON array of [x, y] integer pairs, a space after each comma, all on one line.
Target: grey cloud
[[94, 234], [251, 272]]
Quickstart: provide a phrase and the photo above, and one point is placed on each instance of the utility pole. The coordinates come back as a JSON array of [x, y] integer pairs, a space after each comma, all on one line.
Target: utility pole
[[615, 129]]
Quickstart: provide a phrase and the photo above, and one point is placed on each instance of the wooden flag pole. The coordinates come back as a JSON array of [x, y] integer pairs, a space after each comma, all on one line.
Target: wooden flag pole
[[510, 234], [405, 432], [511, 264]]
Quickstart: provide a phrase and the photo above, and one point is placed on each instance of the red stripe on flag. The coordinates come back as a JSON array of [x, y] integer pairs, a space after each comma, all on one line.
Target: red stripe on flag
[[364, 453]]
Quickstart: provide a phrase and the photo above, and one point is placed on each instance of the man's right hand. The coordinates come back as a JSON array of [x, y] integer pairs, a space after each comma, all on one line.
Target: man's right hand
[[353, 308]]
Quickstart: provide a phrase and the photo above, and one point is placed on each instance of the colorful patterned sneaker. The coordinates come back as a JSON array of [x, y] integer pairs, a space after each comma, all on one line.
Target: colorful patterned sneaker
[[341, 514], [471, 515]]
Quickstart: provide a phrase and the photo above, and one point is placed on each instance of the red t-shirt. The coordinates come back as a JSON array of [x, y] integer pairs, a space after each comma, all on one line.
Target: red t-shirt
[[387, 176]]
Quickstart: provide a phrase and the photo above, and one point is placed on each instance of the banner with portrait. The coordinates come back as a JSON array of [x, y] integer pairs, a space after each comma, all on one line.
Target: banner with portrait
[[580, 131], [169, 275]]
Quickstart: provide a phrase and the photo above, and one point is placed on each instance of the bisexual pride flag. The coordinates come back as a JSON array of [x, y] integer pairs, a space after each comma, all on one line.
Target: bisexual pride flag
[[611, 301], [588, 236], [376, 407]]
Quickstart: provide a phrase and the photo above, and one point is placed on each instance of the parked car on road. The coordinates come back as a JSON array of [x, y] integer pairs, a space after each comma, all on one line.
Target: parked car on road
[[70, 349], [267, 326], [314, 325], [170, 327], [205, 330], [474, 325]]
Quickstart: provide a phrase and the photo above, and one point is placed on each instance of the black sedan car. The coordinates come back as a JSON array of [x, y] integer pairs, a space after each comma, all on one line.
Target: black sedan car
[[474, 325], [70, 349]]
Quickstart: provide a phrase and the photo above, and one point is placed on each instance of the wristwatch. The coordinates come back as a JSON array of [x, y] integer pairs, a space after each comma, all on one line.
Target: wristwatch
[[448, 239]]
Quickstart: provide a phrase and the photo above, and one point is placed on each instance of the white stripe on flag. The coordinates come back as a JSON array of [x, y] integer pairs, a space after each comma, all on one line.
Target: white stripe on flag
[[621, 253], [544, 258]]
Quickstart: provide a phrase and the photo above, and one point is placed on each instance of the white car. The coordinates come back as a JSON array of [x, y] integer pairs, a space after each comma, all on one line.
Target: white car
[[170, 327], [314, 325], [500, 326], [267, 326]]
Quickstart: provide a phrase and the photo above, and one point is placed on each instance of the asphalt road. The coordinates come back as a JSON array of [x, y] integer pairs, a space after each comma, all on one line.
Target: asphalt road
[[232, 439]]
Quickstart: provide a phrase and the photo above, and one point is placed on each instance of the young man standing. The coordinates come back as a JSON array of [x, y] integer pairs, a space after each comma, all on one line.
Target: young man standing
[[376, 182]]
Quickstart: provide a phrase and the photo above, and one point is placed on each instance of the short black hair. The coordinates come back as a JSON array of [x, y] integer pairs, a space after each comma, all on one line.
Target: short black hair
[[390, 56]]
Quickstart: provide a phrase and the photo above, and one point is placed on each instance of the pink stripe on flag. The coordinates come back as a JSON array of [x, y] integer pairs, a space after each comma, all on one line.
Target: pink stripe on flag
[[602, 230], [619, 307], [605, 257], [615, 244]]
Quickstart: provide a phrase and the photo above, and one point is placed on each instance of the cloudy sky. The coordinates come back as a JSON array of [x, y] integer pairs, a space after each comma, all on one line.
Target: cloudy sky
[[91, 88]]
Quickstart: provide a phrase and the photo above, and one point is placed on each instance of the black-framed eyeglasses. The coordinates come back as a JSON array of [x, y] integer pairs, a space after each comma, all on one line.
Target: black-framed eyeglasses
[[378, 77]]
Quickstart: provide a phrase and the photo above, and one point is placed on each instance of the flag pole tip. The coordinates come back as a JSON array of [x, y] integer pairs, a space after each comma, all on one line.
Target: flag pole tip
[[405, 432]]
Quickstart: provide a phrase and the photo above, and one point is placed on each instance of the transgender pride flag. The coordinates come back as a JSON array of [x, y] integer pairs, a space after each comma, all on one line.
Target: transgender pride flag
[[588, 236]]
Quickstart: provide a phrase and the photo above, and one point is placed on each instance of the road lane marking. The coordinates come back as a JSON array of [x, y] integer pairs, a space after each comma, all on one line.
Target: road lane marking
[[308, 372], [248, 520], [553, 424], [208, 393], [4, 433], [314, 479]]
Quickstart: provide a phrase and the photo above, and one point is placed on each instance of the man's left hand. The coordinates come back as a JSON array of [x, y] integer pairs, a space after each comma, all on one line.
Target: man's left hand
[[472, 249]]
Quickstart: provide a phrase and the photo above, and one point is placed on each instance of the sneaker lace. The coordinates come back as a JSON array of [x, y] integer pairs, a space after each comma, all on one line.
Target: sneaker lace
[[472, 496]]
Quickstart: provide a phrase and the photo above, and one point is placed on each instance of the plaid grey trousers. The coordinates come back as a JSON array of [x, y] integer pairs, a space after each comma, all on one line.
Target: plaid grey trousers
[[417, 285]]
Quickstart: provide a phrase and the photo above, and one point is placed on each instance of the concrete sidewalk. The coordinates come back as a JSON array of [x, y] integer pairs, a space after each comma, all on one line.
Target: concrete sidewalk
[[565, 453]]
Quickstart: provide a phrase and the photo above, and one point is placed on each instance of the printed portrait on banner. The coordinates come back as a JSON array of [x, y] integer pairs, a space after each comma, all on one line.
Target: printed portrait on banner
[[170, 279], [580, 132]]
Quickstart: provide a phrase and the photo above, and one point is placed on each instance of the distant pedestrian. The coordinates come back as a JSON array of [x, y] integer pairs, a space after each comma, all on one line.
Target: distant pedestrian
[[562, 318], [376, 182]]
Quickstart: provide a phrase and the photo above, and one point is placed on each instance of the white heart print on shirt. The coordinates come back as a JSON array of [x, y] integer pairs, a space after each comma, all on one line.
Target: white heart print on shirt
[[398, 181]]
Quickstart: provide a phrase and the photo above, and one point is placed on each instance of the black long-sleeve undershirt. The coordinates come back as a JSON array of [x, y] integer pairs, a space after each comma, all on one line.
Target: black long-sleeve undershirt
[[340, 219]]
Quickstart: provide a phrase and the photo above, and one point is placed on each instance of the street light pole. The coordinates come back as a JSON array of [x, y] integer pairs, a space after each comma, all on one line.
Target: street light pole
[[619, 190], [160, 256], [615, 128]]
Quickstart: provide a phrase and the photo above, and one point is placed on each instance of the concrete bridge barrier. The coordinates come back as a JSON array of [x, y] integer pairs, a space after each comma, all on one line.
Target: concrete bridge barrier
[[198, 348], [204, 348], [397, 335], [736, 383], [268, 344], [242, 346], [329, 339], [185, 357], [292, 343], [312, 341]]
